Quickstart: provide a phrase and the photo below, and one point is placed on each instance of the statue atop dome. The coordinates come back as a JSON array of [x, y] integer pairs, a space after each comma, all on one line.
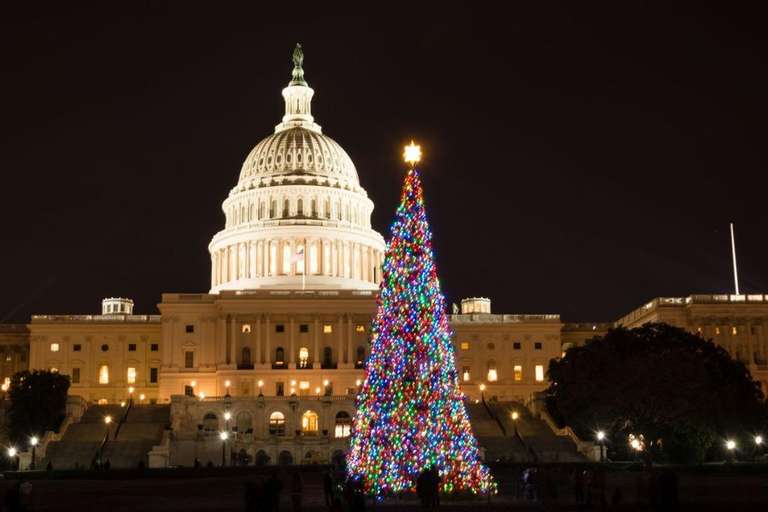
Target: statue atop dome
[[297, 77]]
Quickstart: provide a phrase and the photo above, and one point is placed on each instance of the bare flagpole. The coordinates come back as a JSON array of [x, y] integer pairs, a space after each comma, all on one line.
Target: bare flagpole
[[733, 249]]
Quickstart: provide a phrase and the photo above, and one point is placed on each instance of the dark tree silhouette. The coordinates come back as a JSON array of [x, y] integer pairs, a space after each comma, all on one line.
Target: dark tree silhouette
[[651, 380], [37, 403]]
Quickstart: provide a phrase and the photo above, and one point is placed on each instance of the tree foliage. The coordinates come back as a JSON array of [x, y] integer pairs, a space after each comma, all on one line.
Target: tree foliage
[[652, 380], [37, 402]]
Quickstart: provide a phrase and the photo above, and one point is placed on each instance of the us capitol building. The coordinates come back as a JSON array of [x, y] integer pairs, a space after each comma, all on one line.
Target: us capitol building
[[275, 350]]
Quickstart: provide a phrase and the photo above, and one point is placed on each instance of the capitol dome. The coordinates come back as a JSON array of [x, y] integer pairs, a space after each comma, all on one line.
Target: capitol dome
[[298, 217]]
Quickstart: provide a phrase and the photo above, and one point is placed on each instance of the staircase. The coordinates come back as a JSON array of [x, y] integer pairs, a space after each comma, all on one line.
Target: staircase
[[142, 429], [492, 438], [547, 446], [82, 441]]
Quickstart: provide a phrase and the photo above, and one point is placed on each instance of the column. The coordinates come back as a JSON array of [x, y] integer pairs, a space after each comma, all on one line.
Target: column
[[257, 326], [267, 349], [213, 270], [221, 342], [233, 340], [317, 358], [340, 337], [254, 269], [750, 345], [167, 343], [350, 354], [291, 343]]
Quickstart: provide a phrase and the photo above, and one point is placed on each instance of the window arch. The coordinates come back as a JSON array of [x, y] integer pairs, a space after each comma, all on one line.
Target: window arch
[[210, 424], [279, 356], [309, 423], [343, 424], [285, 458], [277, 424], [244, 423], [492, 372]]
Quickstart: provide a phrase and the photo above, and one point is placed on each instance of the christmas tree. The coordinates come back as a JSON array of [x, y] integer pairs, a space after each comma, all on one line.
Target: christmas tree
[[410, 410]]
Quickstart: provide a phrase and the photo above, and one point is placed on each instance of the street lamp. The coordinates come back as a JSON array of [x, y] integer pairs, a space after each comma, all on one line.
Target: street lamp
[[601, 440], [261, 388], [142, 397], [202, 395], [227, 416], [515, 415], [130, 395], [482, 392], [33, 442], [193, 384], [223, 437], [4, 387], [227, 384], [11, 455]]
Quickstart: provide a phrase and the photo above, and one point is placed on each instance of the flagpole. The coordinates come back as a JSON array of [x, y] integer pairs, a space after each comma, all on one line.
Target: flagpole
[[735, 272]]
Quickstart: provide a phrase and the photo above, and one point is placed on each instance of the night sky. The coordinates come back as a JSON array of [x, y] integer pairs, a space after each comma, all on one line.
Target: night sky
[[579, 159]]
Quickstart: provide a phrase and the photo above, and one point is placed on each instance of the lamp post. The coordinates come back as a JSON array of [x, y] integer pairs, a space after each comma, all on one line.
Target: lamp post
[[515, 415], [107, 421], [223, 437], [33, 442], [482, 392], [261, 388], [601, 441], [227, 384], [326, 383], [142, 397], [130, 395], [731, 446], [193, 384], [4, 387], [11, 455]]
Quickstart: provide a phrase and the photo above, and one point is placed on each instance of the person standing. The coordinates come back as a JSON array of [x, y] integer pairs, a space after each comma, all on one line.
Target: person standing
[[328, 487], [297, 488]]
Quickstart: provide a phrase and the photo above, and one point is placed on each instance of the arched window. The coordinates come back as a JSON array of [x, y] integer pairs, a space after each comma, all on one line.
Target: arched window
[[492, 373], [244, 423], [273, 209], [285, 458], [313, 209], [303, 357], [300, 208], [327, 357], [104, 373], [343, 424], [286, 208], [210, 424], [309, 423], [262, 459], [246, 355], [360, 357], [277, 424], [251, 209], [327, 209], [279, 356]]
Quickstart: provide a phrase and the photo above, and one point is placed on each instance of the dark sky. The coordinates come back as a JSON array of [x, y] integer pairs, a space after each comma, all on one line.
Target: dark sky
[[579, 159]]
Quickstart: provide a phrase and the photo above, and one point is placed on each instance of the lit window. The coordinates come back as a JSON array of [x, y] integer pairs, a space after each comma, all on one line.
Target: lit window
[[103, 401], [717, 330], [492, 375], [735, 330], [54, 347], [309, 422], [343, 424], [8, 358], [131, 375], [304, 388], [698, 329], [518, 373], [104, 374], [246, 328], [277, 424], [303, 357], [465, 373], [360, 328], [327, 328], [464, 345], [54, 369], [539, 373]]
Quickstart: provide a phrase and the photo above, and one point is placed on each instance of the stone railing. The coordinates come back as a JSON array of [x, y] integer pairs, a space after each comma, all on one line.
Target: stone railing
[[294, 398], [662, 302], [581, 446], [484, 318], [115, 318], [159, 456]]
